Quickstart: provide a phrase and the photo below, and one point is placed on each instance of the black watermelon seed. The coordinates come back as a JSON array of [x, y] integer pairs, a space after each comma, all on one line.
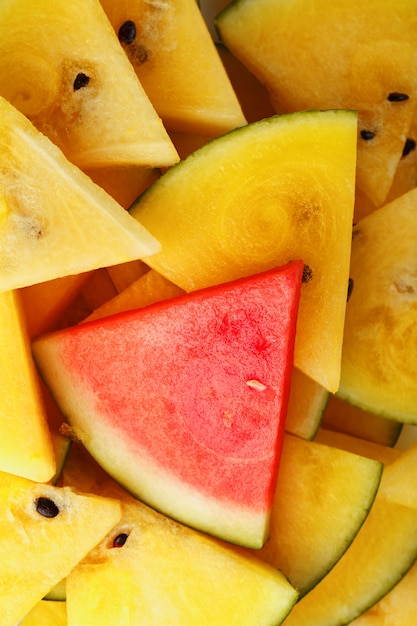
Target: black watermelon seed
[[397, 96], [307, 274], [120, 540], [350, 288], [367, 134], [127, 32], [409, 146], [81, 80], [46, 507]]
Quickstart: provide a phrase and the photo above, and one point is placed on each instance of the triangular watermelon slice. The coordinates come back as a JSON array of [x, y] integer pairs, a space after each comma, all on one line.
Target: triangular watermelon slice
[[183, 402], [54, 220], [63, 67], [45, 532], [25, 444]]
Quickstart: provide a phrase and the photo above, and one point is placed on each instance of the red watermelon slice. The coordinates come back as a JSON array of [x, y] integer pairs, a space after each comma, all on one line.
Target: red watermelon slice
[[183, 402]]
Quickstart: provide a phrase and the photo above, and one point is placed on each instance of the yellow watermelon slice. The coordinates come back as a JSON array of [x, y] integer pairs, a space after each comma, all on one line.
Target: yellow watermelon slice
[[174, 56], [339, 54], [25, 442], [63, 67], [345, 491], [259, 196], [45, 532], [151, 570], [54, 221], [379, 363]]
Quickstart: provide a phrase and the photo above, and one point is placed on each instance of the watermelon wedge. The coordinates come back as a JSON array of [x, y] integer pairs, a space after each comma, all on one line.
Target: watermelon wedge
[[183, 402]]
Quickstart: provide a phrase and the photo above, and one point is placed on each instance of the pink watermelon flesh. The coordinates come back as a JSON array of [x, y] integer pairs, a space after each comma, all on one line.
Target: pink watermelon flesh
[[184, 402]]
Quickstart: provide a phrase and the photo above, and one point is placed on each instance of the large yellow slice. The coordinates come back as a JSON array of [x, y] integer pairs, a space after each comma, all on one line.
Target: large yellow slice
[[382, 552], [25, 442], [323, 55], [54, 221], [153, 571], [262, 195], [62, 66], [379, 361]]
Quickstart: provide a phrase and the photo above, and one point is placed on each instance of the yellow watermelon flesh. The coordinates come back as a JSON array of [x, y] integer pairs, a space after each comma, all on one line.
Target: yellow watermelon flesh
[[343, 55], [175, 58], [46, 531], [259, 196], [54, 221], [63, 67], [198, 580], [25, 443], [379, 363]]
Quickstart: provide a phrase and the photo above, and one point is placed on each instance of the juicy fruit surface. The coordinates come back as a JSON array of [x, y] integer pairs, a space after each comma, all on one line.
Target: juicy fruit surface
[[378, 367], [39, 546], [218, 229], [332, 508], [336, 62], [200, 418], [199, 581], [63, 222], [160, 40], [62, 77], [25, 444], [379, 68], [382, 552], [397, 607]]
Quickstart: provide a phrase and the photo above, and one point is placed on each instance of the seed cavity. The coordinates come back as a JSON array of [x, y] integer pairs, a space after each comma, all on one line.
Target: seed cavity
[[350, 289], [127, 32], [120, 540], [81, 80], [367, 135], [409, 146], [397, 96], [46, 507], [307, 274]]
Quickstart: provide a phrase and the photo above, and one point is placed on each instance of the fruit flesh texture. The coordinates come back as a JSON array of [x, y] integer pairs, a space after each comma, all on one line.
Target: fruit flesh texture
[[397, 607], [345, 491], [63, 222], [378, 367], [238, 218], [336, 61], [38, 551], [198, 581], [42, 51], [216, 395], [326, 490], [383, 551], [171, 36], [25, 443], [306, 405]]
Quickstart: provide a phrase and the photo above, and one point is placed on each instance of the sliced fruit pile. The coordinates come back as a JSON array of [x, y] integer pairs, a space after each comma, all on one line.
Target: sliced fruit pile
[[208, 311]]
